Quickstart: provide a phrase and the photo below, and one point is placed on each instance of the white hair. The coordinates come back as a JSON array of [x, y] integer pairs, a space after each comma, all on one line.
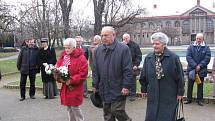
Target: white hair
[[159, 36], [70, 41], [126, 35], [97, 37]]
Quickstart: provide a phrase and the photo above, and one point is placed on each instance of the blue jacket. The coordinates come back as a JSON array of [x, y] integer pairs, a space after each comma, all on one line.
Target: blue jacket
[[112, 71], [198, 55]]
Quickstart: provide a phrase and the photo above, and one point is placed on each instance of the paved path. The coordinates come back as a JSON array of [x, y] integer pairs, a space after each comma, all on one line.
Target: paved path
[[10, 57], [11, 109]]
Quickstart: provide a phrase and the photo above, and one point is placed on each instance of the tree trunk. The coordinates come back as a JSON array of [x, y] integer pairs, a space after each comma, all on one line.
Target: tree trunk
[[98, 10], [65, 13]]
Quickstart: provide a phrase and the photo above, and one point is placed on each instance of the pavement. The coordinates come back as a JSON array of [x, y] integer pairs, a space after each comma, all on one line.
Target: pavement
[[39, 109]]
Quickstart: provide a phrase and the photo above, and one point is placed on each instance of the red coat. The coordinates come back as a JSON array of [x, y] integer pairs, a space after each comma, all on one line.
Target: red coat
[[78, 70]]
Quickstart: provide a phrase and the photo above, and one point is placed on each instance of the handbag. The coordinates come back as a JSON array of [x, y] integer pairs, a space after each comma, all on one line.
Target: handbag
[[179, 111]]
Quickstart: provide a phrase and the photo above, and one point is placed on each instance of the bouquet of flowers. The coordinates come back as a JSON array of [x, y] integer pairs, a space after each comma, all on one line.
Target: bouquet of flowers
[[61, 73]]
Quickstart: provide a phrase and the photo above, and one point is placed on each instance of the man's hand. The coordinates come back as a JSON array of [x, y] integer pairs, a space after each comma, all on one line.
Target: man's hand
[[135, 68], [125, 91], [197, 68], [179, 98], [94, 90]]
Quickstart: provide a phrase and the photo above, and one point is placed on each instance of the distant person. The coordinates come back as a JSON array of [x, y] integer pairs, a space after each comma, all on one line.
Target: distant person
[[95, 43], [79, 41], [198, 57], [27, 64], [112, 75], [162, 80], [74, 59], [47, 55], [136, 59]]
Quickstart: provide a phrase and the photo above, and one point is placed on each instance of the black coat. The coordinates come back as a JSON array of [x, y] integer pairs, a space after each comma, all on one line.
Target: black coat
[[47, 56], [28, 60], [162, 94], [86, 52], [135, 53], [112, 71]]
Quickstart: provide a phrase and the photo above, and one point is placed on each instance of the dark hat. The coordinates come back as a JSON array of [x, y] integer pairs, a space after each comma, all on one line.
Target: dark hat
[[44, 40], [96, 100]]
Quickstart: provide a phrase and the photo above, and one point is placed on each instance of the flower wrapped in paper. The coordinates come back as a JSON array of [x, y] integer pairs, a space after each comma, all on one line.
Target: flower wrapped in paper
[[61, 73]]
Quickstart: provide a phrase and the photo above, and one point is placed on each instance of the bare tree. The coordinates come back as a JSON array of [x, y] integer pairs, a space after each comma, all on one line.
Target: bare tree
[[66, 8], [171, 32], [99, 6], [115, 13]]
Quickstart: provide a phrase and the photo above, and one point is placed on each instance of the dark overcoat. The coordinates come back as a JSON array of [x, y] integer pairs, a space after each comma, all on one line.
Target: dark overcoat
[[198, 56], [112, 71], [162, 94], [28, 60], [46, 56]]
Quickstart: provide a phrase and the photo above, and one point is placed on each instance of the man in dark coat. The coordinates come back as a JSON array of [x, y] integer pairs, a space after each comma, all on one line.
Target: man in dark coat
[[112, 75], [79, 41], [27, 64], [136, 59], [198, 56], [162, 83]]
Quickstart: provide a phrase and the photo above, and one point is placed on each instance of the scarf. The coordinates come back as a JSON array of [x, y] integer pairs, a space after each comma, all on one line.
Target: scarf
[[158, 66], [66, 60]]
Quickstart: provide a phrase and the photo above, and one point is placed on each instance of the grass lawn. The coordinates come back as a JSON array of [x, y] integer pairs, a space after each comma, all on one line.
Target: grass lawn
[[7, 54], [8, 66]]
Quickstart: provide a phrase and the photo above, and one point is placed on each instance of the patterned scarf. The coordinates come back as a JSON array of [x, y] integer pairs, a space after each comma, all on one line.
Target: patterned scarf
[[158, 66], [66, 60]]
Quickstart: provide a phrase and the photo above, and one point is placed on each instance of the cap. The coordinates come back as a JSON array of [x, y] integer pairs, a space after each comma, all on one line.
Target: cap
[[44, 40]]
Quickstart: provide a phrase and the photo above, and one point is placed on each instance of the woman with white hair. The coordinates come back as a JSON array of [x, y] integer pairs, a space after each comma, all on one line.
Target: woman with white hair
[[74, 59], [162, 79]]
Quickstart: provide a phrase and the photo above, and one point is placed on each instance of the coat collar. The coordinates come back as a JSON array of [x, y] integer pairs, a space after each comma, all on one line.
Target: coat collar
[[111, 47], [75, 53], [202, 44]]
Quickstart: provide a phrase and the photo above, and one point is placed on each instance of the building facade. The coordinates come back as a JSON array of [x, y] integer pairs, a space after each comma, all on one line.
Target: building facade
[[181, 29]]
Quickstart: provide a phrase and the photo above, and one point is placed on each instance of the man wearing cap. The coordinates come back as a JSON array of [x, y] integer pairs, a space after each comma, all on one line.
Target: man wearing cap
[[27, 64]]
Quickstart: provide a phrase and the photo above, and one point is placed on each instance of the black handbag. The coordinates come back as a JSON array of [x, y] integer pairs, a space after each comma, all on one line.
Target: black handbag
[[179, 111]]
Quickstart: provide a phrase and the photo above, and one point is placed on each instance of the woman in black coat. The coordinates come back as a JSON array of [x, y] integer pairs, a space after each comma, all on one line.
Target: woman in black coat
[[47, 55], [162, 79]]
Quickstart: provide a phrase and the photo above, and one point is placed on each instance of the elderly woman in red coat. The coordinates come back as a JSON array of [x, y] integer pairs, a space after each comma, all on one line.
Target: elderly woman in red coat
[[74, 59]]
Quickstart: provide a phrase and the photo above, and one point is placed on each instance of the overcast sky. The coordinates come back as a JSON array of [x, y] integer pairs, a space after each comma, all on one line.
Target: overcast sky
[[164, 7]]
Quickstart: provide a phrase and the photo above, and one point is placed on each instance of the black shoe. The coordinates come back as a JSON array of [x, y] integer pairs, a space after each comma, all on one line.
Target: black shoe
[[46, 97], [22, 99], [200, 103], [32, 97], [188, 102]]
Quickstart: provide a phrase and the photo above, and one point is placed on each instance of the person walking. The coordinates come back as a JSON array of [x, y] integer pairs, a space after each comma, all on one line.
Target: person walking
[[71, 93], [136, 59], [79, 41], [47, 55], [112, 75], [161, 83], [27, 64], [198, 57]]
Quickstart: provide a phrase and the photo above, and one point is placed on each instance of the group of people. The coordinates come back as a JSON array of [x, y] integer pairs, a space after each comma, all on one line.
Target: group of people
[[115, 66]]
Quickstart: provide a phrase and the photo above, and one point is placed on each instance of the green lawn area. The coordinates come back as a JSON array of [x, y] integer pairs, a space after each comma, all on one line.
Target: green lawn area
[[7, 54], [8, 66]]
